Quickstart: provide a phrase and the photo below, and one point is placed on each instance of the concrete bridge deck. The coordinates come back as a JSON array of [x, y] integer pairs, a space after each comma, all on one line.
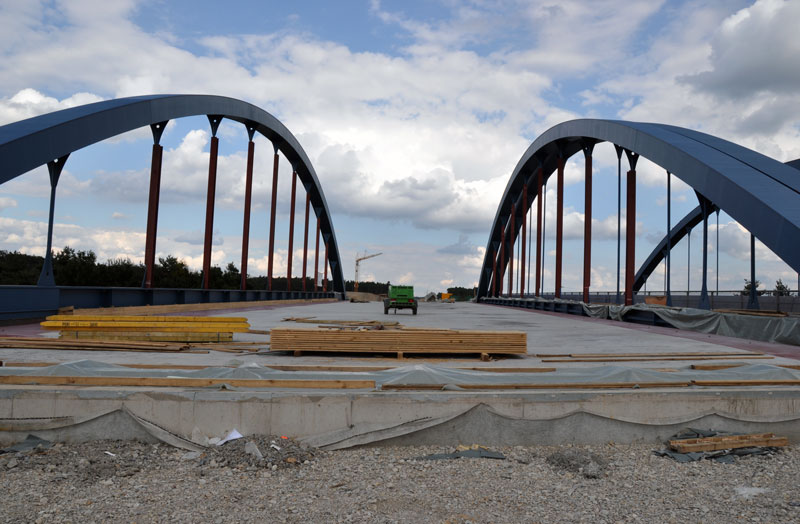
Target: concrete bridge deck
[[349, 417]]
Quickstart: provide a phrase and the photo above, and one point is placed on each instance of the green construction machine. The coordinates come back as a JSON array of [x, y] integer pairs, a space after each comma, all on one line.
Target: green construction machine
[[400, 297]]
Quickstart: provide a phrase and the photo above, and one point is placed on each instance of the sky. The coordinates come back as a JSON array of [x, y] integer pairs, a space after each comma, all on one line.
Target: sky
[[413, 113]]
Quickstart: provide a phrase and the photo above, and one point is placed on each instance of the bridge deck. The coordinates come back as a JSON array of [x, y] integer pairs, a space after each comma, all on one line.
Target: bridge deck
[[344, 417]]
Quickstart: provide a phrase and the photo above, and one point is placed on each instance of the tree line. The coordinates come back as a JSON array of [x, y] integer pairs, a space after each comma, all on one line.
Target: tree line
[[73, 267]]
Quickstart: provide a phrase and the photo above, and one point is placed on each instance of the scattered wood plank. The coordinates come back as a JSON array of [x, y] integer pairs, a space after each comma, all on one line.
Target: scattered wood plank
[[728, 365], [727, 442], [184, 382], [399, 341], [650, 359], [757, 313], [746, 382], [651, 354], [588, 385]]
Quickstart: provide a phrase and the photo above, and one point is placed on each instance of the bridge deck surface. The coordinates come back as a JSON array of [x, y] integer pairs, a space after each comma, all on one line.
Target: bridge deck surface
[[548, 333]]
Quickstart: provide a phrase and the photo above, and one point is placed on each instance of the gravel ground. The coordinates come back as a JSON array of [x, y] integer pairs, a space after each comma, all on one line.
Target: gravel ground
[[107, 481]]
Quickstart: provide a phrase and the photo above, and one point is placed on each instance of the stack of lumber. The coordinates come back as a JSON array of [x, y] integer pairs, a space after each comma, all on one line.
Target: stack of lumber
[[691, 445], [146, 328], [415, 341], [372, 324]]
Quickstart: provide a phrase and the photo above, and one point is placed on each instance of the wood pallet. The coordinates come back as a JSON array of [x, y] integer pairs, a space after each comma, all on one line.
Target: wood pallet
[[400, 342], [690, 445]]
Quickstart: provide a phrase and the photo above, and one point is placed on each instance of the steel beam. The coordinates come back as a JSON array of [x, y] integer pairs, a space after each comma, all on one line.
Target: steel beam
[[540, 184], [494, 273], [752, 303], [248, 196], [54, 167], [305, 240], [325, 262], [272, 208], [630, 228], [559, 223], [210, 198], [291, 233], [511, 241], [587, 224], [152, 204], [316, 259], [705, 205], [524, 238]]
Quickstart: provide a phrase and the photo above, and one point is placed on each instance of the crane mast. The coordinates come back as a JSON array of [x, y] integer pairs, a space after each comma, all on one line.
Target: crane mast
[[358, 263]]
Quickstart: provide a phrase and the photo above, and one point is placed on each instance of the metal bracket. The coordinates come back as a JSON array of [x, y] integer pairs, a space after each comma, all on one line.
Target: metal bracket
[[632, 159], [214, 121], [158, 130], [251, 130]]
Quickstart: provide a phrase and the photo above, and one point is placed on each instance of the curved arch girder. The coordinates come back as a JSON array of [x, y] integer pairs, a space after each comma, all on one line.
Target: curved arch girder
[[757, 191], [30, 143], [677, 233]]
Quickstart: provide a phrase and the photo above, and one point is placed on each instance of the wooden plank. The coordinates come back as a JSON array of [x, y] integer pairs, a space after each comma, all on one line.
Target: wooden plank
[[166, 327], [650, 354], [143, 318], [185, 382], [758, 382], [588, 385], [727, 442], [714, 367], [653, 359], [147, 336]]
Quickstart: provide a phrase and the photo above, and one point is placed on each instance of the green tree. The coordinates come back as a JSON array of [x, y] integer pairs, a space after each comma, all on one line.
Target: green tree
[[747, 284], [781, 289]]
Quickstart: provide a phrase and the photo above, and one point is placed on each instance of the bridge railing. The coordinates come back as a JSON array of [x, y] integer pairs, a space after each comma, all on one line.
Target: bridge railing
[[769, 300]]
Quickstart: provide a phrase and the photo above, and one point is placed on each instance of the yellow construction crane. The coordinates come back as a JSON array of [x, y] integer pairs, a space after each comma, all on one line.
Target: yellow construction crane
[[358, 263]]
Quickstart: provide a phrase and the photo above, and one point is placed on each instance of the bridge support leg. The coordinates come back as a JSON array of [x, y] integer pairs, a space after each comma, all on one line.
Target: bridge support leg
[[152, 205], [630, 228], [273, 205], [511, 241], [752, 303], [524, 238], [305, 241], [502, 260], [210, 197], [316, 259], [705, 206], [494, 273], [291, 233], [587, 224], [669, 238], [248, 195], [54, 168], [325, 262], [559, 224], [539, 231]]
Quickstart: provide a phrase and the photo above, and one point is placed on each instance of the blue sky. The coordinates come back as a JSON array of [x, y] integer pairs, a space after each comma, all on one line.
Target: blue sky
[[414, 115]]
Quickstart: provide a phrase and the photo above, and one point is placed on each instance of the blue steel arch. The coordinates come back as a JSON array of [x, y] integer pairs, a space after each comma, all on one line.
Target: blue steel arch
[[676, 234], [759, 192], [30, 143]]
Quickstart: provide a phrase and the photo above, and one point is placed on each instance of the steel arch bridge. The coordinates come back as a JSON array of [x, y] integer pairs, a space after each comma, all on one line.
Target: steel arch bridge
[[50, 139], [759, 192]]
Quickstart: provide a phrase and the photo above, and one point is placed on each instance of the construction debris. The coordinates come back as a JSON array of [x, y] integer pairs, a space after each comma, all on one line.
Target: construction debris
[[692, 445]]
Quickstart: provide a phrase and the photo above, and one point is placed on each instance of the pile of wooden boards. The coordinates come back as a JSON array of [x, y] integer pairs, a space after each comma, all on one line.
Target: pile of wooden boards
[[692, 445], [147, 328], [403, 341]]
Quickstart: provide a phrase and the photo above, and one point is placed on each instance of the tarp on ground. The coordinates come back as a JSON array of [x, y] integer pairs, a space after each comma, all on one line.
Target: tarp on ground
[[425, 374], [783, 330]]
